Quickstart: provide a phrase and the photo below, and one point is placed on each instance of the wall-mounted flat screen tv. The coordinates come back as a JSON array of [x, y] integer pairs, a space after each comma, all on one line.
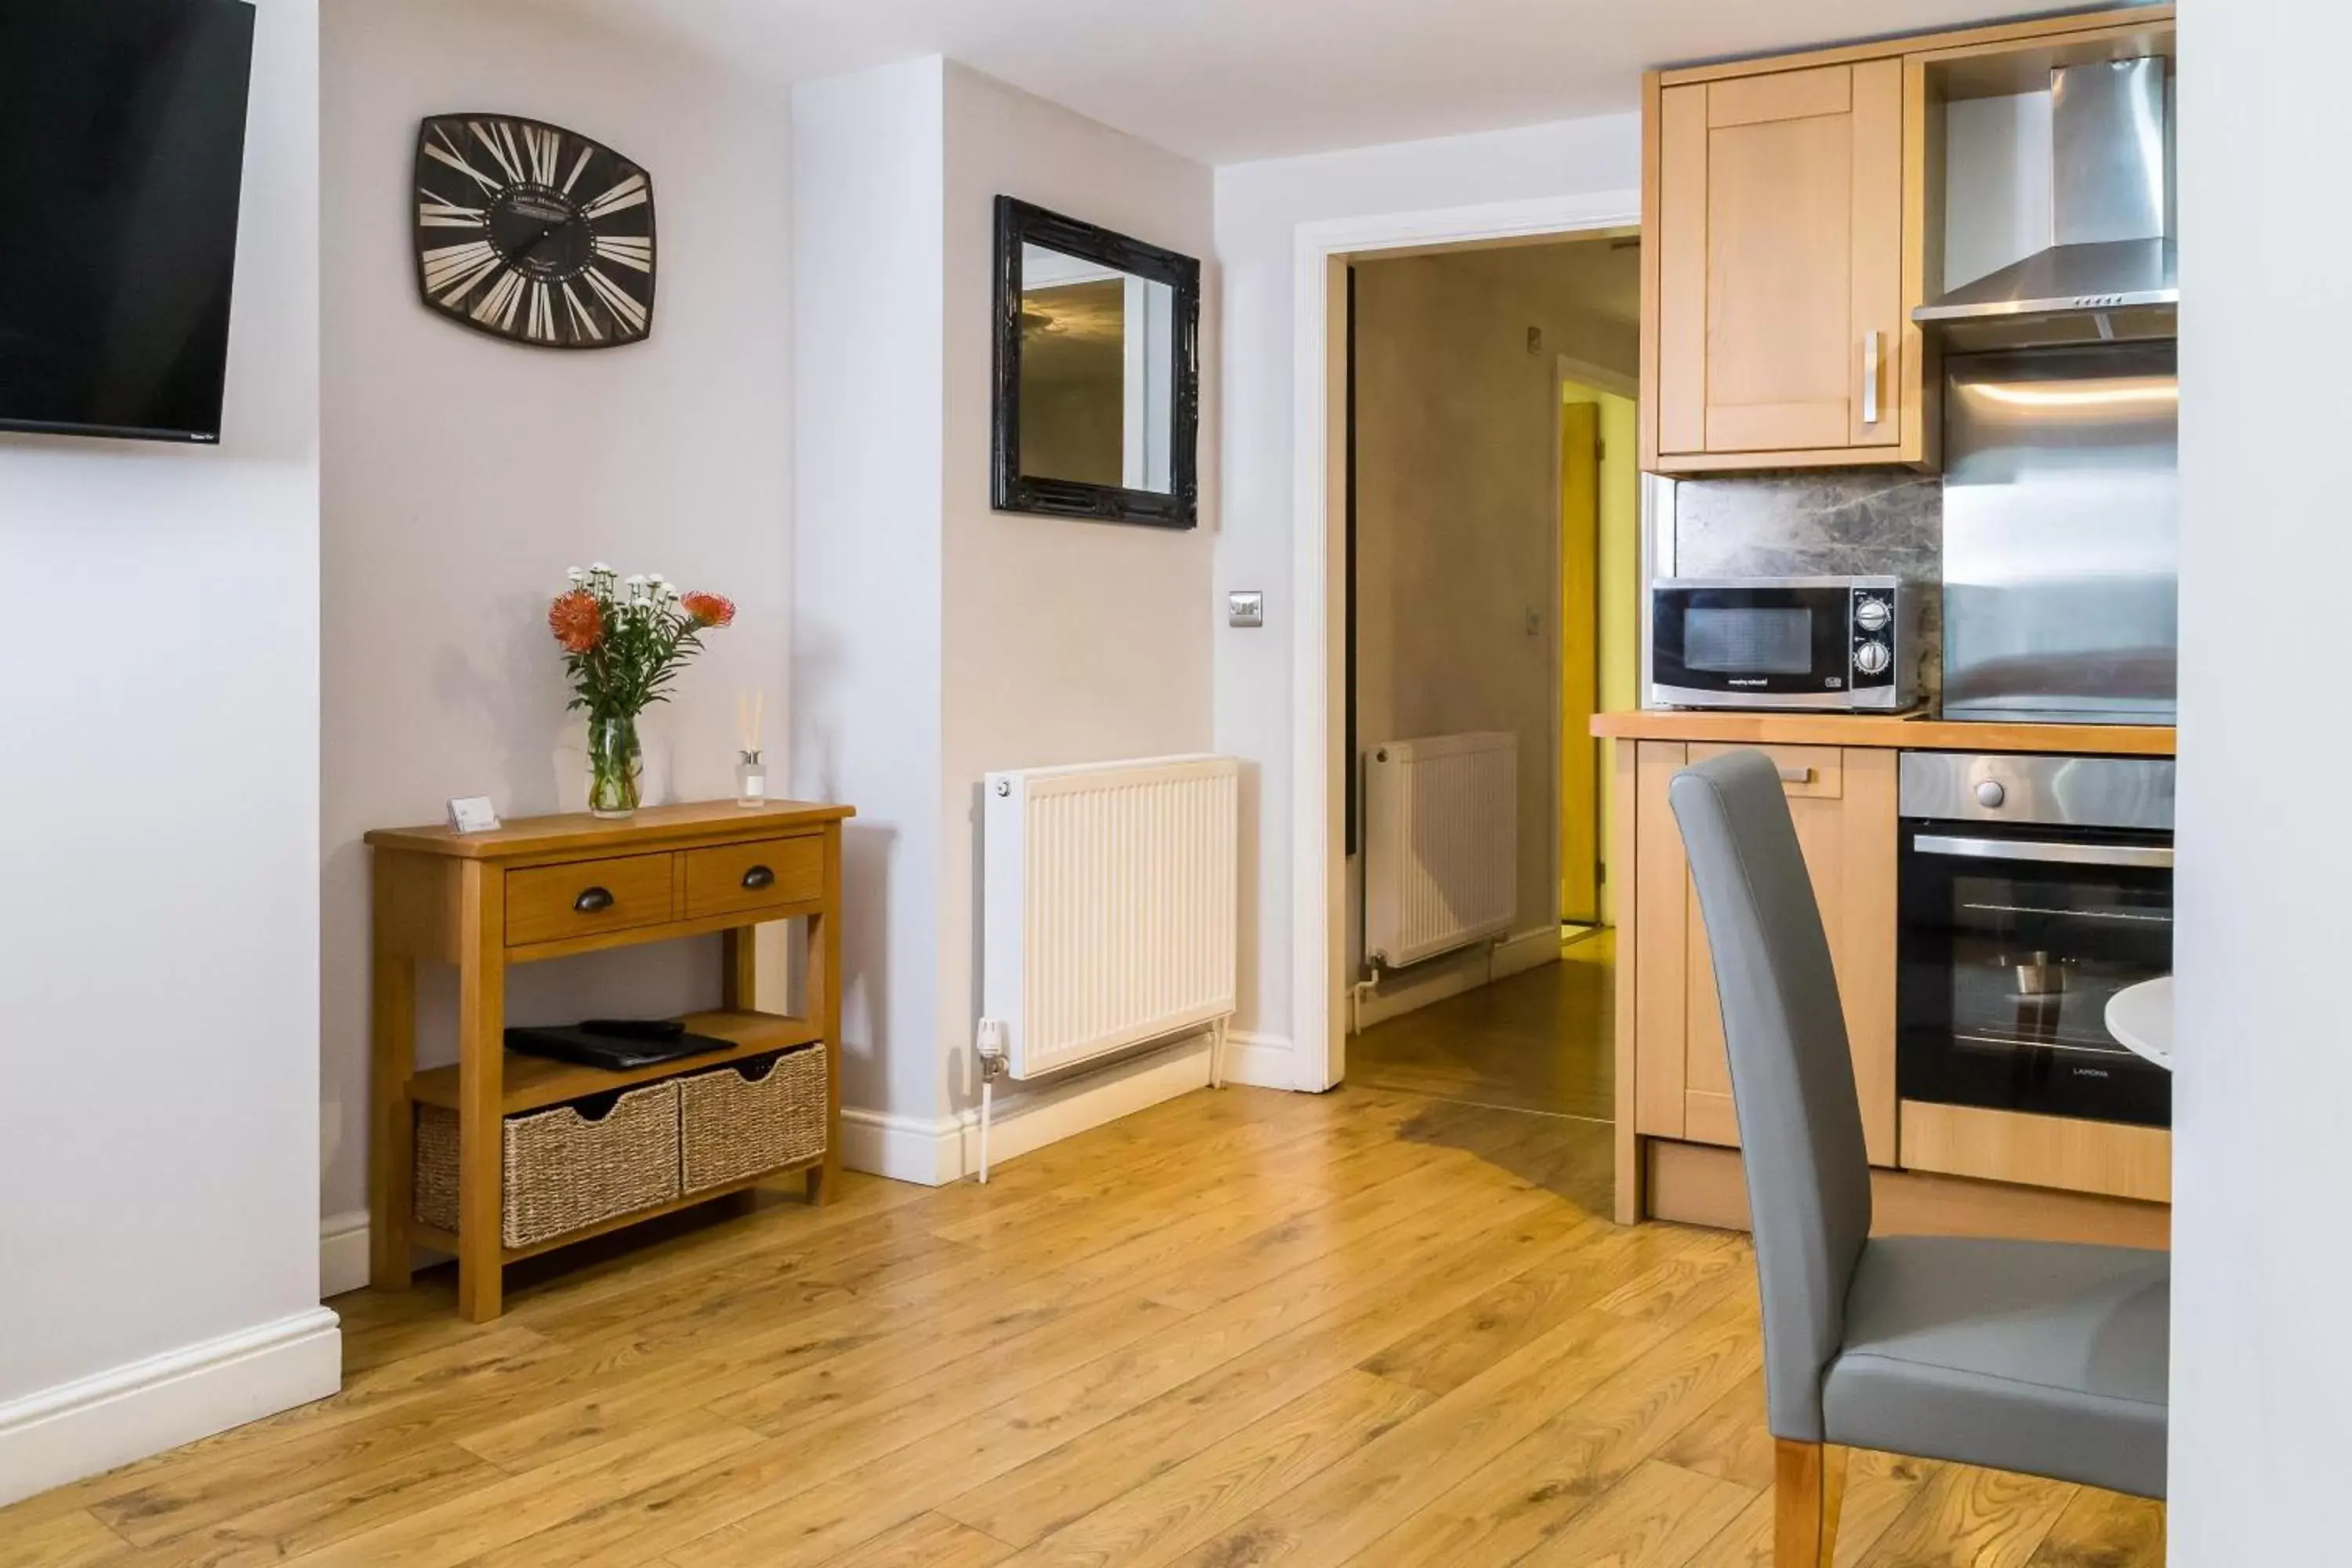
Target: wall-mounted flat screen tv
[[122, 154]]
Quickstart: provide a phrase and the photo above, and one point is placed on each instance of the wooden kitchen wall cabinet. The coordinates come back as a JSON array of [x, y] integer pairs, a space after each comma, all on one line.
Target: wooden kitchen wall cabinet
[[1843, 800], [1774, 271], [1774, 231]]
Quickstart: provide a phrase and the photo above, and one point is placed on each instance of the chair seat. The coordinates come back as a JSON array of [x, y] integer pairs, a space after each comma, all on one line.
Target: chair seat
[[2019, 1355]]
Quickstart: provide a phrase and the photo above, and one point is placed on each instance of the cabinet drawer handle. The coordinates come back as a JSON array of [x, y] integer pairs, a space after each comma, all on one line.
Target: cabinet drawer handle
[[1797, 776], [758, 876], [592, 901], [1869, 378]]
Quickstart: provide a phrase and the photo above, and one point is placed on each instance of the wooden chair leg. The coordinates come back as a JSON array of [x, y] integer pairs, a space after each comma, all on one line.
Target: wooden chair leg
[[1808, 1485]]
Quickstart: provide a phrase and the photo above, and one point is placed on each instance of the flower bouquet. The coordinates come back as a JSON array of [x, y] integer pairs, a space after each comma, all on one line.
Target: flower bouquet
[[624, 639]]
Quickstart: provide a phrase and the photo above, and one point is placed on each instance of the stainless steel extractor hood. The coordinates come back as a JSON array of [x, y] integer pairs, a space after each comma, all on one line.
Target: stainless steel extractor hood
[[2111, 269]]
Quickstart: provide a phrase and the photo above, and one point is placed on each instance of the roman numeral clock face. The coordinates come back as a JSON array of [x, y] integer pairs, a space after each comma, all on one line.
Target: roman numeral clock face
[[533, 233]]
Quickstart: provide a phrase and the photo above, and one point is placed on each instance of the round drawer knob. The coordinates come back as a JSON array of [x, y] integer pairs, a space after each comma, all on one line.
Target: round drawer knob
[[1990, 794]]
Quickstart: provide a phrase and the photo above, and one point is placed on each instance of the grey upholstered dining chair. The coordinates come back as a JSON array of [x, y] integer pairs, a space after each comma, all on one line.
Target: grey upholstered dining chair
[[2036, 1356]]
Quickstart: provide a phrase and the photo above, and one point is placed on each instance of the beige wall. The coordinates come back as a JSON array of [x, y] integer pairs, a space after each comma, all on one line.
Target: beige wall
[[1063, 641], [1456, 537], [461, 475]]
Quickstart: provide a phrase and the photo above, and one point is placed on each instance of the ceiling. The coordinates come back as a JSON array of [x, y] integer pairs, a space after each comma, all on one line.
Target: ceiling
[[1229, 80]]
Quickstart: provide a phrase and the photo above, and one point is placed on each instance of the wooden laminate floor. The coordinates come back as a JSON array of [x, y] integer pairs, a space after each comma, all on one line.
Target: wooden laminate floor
[[1242, 1328]]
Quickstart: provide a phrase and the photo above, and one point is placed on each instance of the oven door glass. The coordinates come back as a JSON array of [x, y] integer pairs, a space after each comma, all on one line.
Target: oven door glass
[[1751, 641], [2013, 940]]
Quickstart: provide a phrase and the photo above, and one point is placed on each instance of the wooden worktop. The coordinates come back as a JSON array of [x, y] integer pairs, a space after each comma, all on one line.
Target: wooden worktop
[[1922, 733]]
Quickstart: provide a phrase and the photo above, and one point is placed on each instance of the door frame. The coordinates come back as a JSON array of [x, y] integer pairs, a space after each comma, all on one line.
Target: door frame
[[1318, 857]]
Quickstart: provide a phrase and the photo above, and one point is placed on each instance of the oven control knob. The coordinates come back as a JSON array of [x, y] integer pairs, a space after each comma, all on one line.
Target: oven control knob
[[1990, 794], [1872, 615], [1872, 658]]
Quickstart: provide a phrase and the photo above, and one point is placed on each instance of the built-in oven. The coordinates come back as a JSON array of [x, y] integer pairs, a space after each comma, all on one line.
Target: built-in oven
[[2033, 889], [1783, 642]]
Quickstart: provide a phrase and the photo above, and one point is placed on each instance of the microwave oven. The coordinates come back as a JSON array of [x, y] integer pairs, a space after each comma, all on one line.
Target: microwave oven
[[1821, 643]]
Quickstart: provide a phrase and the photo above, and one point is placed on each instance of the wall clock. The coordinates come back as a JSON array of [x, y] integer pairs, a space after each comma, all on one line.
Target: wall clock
[[532, 233]]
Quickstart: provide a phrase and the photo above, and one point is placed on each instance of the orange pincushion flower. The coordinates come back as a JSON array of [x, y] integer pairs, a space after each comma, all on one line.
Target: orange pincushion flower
[[709, 609], [577, 621]]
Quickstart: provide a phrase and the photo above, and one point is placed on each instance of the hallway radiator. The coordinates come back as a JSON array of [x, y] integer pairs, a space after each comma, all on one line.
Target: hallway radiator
[[1109, 907], [1441, 845]]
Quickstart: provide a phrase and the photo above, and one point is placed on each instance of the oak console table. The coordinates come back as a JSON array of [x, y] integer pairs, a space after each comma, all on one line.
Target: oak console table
[[550, 887]]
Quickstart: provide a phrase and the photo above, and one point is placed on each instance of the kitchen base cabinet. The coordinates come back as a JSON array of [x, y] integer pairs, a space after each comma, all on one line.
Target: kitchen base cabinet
[[1843, 803], [1937, 1169]]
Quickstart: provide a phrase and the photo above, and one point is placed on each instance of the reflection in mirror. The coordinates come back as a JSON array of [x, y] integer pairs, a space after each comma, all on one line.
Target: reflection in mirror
[[1098, 373]]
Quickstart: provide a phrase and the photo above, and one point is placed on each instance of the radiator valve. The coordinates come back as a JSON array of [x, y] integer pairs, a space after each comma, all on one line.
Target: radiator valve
[[994, 1061]]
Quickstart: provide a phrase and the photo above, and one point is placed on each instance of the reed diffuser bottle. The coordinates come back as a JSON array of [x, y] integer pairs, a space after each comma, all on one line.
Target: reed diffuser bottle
[[750, 771]]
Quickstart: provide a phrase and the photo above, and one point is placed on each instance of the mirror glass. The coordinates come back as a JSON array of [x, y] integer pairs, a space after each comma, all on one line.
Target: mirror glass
[[1097, 374]]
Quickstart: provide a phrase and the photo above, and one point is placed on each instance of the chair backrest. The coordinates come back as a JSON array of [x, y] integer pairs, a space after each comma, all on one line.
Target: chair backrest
[[1791, 1078]]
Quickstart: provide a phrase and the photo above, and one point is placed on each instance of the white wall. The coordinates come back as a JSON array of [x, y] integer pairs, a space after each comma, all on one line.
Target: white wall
[[1259, 207], [2261, 1369], [1066, 642], [463, 474], [158, 983], [868, 362]]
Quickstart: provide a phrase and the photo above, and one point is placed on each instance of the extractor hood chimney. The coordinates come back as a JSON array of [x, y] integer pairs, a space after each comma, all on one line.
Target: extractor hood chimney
[[2111, 269]]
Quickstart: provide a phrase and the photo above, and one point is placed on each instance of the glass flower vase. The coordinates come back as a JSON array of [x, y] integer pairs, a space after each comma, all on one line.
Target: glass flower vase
[[616, 767]]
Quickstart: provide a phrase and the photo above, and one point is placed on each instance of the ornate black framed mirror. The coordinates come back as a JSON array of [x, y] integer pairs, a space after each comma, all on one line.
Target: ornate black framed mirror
[[1098, 373]]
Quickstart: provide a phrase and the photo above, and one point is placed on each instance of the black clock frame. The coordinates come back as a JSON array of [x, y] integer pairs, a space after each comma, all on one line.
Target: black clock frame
[[465, 319], [1019, 222]]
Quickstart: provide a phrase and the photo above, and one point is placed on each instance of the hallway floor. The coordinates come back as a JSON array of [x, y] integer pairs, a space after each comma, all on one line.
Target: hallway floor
[[1370, 1328], [1540, 1040]]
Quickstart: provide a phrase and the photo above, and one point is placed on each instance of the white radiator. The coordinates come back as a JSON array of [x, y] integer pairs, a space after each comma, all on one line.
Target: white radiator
[[1111, 903], [1441, 845]]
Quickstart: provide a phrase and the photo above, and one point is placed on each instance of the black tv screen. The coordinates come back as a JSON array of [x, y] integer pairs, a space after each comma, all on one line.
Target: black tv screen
[[122, 154]]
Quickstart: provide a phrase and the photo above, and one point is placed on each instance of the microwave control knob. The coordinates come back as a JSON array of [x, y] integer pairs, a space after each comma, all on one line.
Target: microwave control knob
[[1872, 658], [1872, 615], [1990, 794]]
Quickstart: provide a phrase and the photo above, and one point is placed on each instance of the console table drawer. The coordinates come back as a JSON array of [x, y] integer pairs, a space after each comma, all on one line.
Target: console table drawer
[[744, 879], [584, 897]]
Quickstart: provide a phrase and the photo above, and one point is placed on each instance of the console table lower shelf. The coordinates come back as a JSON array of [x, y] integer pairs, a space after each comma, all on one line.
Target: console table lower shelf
[[504, 1156]]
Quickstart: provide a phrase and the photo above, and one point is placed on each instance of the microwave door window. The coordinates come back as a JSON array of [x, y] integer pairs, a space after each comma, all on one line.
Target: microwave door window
[[1756, 640], [1750, 641]]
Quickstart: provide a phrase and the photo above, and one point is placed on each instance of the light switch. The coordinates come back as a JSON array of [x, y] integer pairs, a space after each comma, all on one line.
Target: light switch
[[1245, 608]]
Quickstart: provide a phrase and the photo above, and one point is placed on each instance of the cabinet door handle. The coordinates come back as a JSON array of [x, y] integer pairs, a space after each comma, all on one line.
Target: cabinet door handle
[[592, 901], [758, 876], [1797, 776], [1869, 378]]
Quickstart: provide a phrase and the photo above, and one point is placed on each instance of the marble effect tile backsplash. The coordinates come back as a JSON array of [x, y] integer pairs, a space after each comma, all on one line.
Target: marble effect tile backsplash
[[1803, 524]]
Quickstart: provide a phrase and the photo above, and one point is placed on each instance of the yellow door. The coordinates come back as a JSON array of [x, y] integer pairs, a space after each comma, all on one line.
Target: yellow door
[[1579, 684]]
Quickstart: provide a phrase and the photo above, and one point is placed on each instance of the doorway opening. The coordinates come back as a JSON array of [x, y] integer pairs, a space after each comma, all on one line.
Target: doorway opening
[[1488, 560]]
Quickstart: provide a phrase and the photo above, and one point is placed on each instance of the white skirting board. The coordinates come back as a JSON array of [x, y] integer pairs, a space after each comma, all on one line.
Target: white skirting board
[[1410, 990], [933, 1153], [94, 1424], [342, 1253]]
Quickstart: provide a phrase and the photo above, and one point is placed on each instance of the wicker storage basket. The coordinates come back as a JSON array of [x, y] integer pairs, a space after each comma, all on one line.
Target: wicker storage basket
[[563, 1169], [733, 1124]]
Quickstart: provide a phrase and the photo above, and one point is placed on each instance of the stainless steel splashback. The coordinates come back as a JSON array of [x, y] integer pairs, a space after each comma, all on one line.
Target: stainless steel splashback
[[2060, 535]]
